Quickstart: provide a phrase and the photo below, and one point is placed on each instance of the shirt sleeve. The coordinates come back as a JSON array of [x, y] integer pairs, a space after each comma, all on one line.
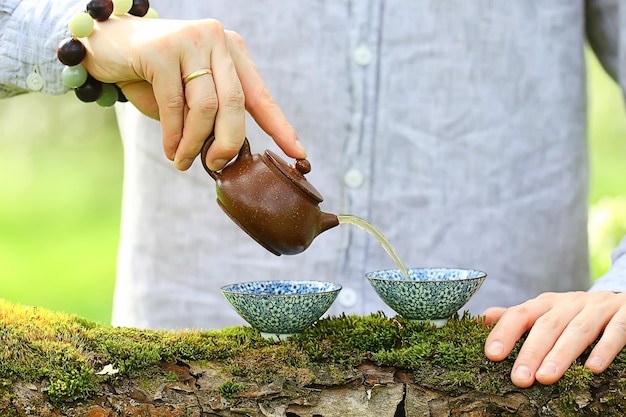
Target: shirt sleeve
[[606, 32], [615, 279], [30, 31]]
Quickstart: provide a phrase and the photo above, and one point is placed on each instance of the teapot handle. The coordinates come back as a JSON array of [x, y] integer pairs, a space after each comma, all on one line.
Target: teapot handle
[[243, 152]]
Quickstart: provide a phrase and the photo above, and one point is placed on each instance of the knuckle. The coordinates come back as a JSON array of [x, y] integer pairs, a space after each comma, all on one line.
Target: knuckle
[[520, 311], [211, 27], [529, 354], [225, 148], [215, 25], [614, 338], [175, 101], [546, 296], [208, 104], [233, 99], [548, 321], [231, 147], [581, 329], [235, 38], [261, 99], [200, 31], [580, 325], [618, 324]]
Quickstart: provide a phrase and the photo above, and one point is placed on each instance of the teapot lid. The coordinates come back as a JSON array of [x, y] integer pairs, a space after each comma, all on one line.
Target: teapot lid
[[296, 174]]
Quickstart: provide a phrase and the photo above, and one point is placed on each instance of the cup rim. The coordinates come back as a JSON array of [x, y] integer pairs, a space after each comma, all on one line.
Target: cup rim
[[228, 288], [479, 274]]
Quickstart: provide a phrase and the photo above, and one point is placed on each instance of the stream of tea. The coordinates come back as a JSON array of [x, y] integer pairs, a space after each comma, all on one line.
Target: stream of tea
[[363, 224]]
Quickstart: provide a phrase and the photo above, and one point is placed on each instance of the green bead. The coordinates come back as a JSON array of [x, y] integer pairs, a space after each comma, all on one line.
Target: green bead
[[108, 97], [152, 14], [81, 25], [121, 7], [74, 76]]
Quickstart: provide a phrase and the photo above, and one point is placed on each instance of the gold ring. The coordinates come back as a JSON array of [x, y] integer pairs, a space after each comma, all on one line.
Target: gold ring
[[196, 74]]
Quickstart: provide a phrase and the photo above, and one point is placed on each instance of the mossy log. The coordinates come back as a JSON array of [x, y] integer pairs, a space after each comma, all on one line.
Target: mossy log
[[56, 364]]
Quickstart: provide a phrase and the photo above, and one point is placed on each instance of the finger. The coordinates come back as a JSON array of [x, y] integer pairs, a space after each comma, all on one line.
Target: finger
[[513, 323], [230, 129], [168, 93], [141, 95], [201, 109], [259, 101], [582, 330], [610, 344], [492, 315], [541, 339]]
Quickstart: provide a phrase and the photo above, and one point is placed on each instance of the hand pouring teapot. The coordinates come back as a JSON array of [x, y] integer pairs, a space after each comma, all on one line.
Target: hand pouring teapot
[[270, 200]]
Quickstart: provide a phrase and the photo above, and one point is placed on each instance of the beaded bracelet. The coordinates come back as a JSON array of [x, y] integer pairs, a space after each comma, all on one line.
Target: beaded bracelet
[[71, 51]]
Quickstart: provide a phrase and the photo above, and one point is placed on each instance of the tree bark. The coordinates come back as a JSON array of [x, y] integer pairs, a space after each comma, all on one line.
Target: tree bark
[[367, 390], [202, 388]]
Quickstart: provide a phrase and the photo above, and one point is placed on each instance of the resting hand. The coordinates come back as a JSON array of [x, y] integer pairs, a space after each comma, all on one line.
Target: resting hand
[[561, 326], [148, 59]]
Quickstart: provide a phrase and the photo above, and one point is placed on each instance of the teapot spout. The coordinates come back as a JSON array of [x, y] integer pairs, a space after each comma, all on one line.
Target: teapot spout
[[327, 221]]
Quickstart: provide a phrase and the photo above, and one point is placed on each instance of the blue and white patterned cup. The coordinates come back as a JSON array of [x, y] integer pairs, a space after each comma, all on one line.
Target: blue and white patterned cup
[[279, 309], [429, 294]]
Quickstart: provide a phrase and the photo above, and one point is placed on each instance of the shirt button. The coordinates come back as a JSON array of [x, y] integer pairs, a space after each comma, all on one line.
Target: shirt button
[[34, 81], [354, 178], [347, 297], [362, 55]]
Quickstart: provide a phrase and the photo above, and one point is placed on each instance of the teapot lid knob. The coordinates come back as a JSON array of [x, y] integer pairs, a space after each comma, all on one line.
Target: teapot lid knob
[[295, 174], [303, 165]]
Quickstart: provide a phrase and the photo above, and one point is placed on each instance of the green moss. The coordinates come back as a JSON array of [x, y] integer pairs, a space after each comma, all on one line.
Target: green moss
[[575, 381], [577, 377], [269, 363], [457, 379], [230, 388], [67, 353], [348, 339], [451, 356]]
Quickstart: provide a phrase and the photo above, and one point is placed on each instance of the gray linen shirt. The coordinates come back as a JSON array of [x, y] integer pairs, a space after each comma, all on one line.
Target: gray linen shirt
[[457, 128]]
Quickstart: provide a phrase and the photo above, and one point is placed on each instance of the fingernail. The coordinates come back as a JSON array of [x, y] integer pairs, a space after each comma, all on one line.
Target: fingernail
[[184, 164], [300, 148], [218, 164], [522, 372], [495, 348], [595, 362], [548, 368]]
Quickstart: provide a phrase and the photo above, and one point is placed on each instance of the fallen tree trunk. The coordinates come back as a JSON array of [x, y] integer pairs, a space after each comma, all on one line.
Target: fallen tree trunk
[[55, 364]]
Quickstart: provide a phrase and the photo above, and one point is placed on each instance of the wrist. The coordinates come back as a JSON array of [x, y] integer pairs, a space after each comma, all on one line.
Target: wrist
[[30, 32]]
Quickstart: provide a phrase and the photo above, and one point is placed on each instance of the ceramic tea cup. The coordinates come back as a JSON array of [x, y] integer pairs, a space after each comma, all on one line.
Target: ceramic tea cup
[[430, 294], [279, 309]]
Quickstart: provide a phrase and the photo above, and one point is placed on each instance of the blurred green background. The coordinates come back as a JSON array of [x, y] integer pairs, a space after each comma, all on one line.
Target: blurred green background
[[60, 191]]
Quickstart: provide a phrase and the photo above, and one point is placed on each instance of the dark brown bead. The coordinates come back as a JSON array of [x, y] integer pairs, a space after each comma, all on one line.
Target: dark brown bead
[[100, 10], [90, 91], [140, 8], [71, 52]]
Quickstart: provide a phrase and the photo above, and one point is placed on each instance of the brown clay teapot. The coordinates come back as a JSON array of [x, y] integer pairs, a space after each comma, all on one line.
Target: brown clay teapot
[[270, 200]]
